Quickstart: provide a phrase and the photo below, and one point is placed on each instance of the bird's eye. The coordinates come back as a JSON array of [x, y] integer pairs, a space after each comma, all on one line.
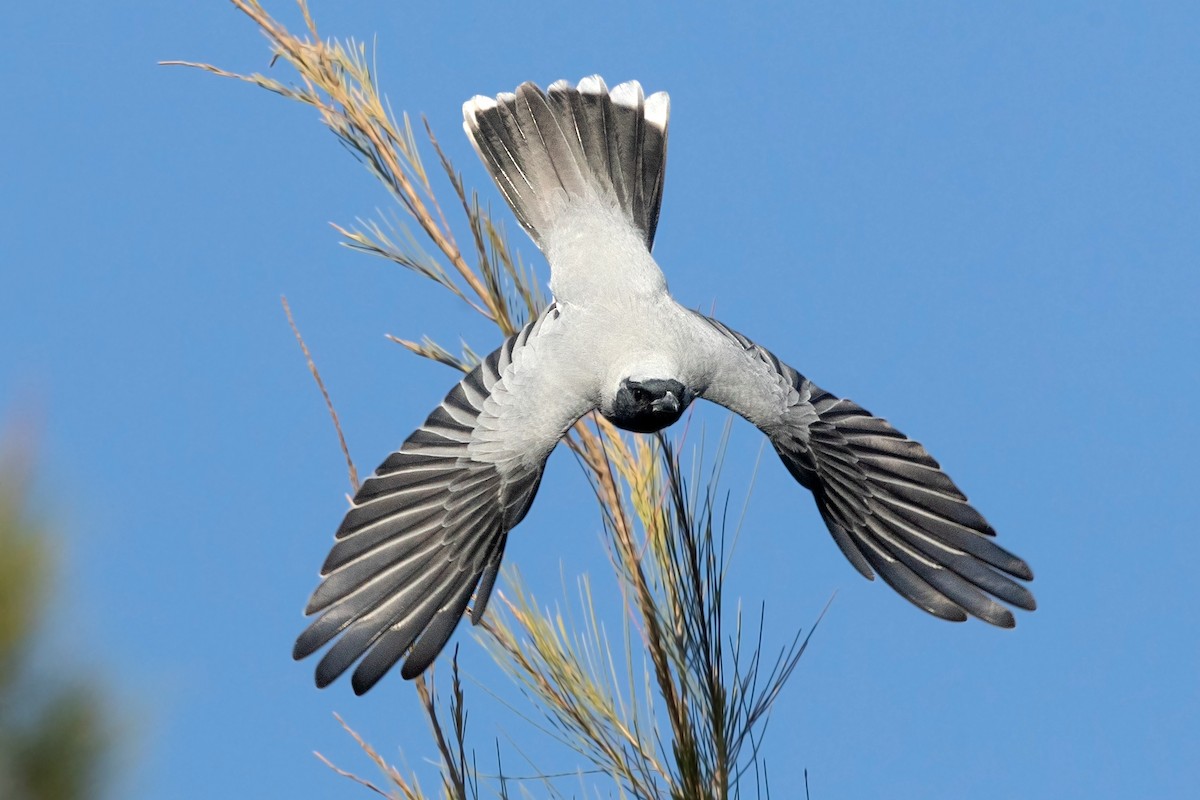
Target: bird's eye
[[639, 394]]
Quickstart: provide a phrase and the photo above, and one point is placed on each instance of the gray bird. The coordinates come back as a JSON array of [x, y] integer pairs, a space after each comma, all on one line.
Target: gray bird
[[582, 169]]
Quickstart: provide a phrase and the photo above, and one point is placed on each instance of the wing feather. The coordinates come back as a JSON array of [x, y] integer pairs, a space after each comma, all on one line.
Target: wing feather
[[428, 529], [887, 503]]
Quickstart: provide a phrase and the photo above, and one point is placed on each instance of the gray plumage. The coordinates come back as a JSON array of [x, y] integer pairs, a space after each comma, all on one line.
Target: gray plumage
[[582, 169]]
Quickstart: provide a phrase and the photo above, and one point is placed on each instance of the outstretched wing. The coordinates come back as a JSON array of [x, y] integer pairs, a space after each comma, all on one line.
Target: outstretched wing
[[429, 528], [887, 502]]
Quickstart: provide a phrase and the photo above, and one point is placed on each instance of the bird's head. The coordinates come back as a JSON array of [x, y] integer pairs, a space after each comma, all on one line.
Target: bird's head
[[648, 405]]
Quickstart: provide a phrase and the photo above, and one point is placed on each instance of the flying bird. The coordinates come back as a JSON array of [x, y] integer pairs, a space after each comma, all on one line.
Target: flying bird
[[582, 169]]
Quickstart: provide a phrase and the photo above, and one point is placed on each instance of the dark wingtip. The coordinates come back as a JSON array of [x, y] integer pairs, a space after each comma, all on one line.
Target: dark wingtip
[[308, 642], [1001, 619], [324, 677], [362, 684], [366, 676], [950, 615], [419, 659], [1020, 569]]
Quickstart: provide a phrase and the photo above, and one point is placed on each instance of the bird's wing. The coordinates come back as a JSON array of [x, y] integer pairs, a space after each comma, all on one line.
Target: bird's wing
[[429, 527], [887, 502]]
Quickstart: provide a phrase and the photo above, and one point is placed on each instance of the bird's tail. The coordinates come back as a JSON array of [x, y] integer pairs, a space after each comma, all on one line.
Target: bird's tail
[[572, 145]]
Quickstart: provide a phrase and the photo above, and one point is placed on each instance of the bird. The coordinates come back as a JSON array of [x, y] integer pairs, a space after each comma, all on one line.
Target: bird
[[582, 168]]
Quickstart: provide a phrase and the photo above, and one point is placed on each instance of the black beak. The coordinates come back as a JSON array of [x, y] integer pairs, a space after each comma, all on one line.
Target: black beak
[[668, 402]]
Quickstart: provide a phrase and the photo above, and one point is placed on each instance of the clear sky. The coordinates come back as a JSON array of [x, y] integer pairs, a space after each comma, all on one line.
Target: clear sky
[[980, 220]]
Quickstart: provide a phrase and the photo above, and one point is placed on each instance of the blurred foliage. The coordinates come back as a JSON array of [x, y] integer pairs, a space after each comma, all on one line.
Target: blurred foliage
[[54, 736]]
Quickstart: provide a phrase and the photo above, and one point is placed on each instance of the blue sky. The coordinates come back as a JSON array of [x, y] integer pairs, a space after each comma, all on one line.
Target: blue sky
[[979, 220]]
